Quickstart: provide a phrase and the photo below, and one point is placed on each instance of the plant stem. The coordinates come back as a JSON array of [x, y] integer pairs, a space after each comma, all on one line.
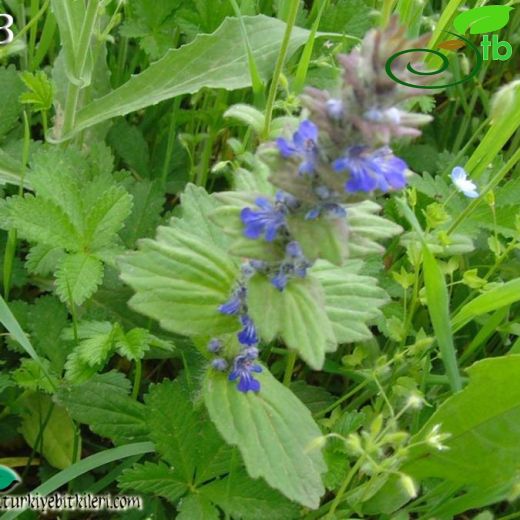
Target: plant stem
[[137, 378], [292, 356], [74, 89], [337, 499], [342, 399], [291, 20], [12, 237]]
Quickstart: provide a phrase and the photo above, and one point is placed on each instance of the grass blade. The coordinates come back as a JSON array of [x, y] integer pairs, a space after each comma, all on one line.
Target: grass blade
[[439, 309], [490, 301]]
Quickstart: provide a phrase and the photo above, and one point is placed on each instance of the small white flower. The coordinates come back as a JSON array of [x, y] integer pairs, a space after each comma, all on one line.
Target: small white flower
[[463, 184], [435, 438], [415, 401]]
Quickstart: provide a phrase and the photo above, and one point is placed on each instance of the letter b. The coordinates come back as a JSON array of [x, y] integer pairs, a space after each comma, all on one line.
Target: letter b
[[497, 45]]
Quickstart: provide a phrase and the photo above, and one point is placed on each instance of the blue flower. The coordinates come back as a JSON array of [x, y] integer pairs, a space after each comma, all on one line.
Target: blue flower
[[288, 200], [214, 345], [265, 222], [236, 303], [294, 265], [329, 209], [293, 249], [219, 364], [369, 171], [243, 369], [304, 145], [247, 336], [335, 108], [280, 280], [463, 184]]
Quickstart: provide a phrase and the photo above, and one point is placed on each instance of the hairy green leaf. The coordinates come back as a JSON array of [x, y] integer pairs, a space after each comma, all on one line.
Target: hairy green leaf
[[157, 479], [297, 315], [273, 431], [181, 282], [103, 403], [217, 60], [78, 277]]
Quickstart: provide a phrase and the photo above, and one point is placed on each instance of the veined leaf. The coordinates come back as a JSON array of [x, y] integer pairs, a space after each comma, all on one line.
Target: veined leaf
[[489, 301], [242, 497], [58, 435], [217, 60], [157, 479], [181, 281], [273, 431], [350, 299], [297, 315], [197, 507], [366, 228], [40, 221], [77, 277], [483, 447], [183, 435], [107, 217], [104, 404], [70, 16]]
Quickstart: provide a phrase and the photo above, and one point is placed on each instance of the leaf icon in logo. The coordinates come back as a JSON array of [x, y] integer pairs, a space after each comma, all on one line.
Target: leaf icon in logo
[[8, 479], [483, 19], [451, 45]]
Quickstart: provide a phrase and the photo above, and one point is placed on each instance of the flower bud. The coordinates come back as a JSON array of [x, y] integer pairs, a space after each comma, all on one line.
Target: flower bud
[[506, 101]]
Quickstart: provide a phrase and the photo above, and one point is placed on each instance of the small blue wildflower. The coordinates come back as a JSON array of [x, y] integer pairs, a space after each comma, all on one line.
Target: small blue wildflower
[[219, 364], [294, 265], [258, 264], [304, 145], [335, 108], [463, 184], [288, 200], [293, 249], [215, 345], [247, 336], [280, 280], [329, 209], [369, 171], [235, 303], [265, 222], [323, 192], [314, 213], [243, 369]]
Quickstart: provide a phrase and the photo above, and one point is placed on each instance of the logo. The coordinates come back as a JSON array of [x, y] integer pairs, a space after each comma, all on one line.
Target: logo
[[9, 479], [480, 20]]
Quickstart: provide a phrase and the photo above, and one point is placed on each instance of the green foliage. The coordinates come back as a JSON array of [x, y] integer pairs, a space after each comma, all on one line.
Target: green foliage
[[98, 341], [180, 281], [280, 450], [48, 429], [75, 215], [155, 479], [11, 87], [345, 16], [104, 405], [389, 367], [40, 91], [222, 52]]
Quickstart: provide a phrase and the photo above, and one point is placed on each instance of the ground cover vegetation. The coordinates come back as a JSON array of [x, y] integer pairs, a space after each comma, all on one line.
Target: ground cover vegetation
[[246, 274]]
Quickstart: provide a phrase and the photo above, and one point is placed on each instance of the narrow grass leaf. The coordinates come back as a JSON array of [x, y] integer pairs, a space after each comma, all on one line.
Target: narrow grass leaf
[[439, 308], [490, 301]]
